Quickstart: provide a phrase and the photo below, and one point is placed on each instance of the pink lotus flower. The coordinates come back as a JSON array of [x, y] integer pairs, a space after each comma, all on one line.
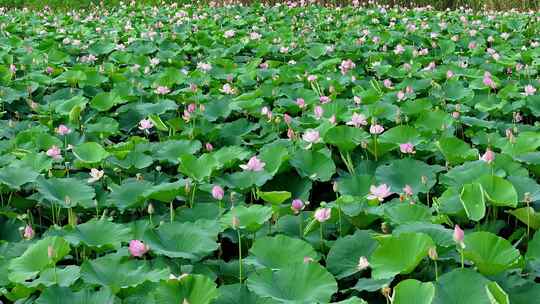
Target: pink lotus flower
[[49, 70], [318, 111], [290, 133], [300, 102], [227, 89], [287, 118], [312, 78], [297, 205], [145, 124], [357, 100], [456, 114], [263, 65], [346, 65], [162, 90], [459, 235], [400, 95], [387, 83], [488, 157], [95, 175], [137, 248], [229, 34], [62, 130], [407, 148], [449, 74], [255, 36], [324, 99], [217, 192], [54, 152], [28, 232], [528, 90], [209, 147], [408, 190], [12, 68], [399, 49], [192, 107], [363, 263], [376, 129], [488, 81], [322, 214], [379, 192], [357, 120], [254, 164], [205, 67], [311, 136]]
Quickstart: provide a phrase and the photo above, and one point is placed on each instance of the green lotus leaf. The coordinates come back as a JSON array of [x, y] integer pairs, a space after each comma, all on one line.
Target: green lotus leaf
[[36, 259], [315, 165], [528, 216], [90, 152], [64, 295], [183, 240], [99, 234], [456, 151], [401, 172], [193, 289], [66, 192], [16, 176], [279, 251], [117, 272], [250, 218], [239, 294], [345, 138], [499, 191], [344, 256], [274, 197], [490, 253], [399, 254], [104, 101], [414, 292], [197, 168], [128, 195], [313, 284], [472, 199], [63, 277], [462, 286]]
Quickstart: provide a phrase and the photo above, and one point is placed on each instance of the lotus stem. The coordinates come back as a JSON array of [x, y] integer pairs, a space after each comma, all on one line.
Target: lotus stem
[[239, 256], [171, 210]]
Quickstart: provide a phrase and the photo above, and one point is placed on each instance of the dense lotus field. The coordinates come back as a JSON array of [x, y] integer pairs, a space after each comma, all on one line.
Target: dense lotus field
[[278, 154]]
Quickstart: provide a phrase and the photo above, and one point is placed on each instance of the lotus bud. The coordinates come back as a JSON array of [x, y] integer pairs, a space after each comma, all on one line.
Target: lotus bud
[[385, 228], [432, 253], [527, 197], [50, 252], [235, 222], [297, 205], [308, 260], [217, 192], [28, 232], [150, 208], [459, 235], [363, 263]]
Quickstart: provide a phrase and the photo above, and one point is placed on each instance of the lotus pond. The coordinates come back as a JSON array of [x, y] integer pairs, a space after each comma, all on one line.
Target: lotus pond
[[278, 154]]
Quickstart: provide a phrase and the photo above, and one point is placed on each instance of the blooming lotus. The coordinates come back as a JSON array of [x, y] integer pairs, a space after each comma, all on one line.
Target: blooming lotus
[[28, 232], [137, 248], [322, 214], [379, 192], [162, 90], [62, 130], [254, 164], [357, 120], [407, 148], [218, 192], [488, 157], [311, 136], [376, 129], [54, 152], [95, 175], [145, 124], [529, 90]]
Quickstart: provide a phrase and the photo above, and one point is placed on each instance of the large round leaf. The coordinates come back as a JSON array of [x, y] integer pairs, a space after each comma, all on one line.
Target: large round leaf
[[399, 254], [240, 294], [117, 272], [192, 289], [64, 295], [250, 218], [16, 176], [35, 259], [413, 292], [499, 191], [66, 192], [184, 240], [279, 251], [99, 233], [401, 172], [461, 286], [490, 253], [343, 258], [472, 199], [90, 152], [316, 165], [345, 138], [311, 282]]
